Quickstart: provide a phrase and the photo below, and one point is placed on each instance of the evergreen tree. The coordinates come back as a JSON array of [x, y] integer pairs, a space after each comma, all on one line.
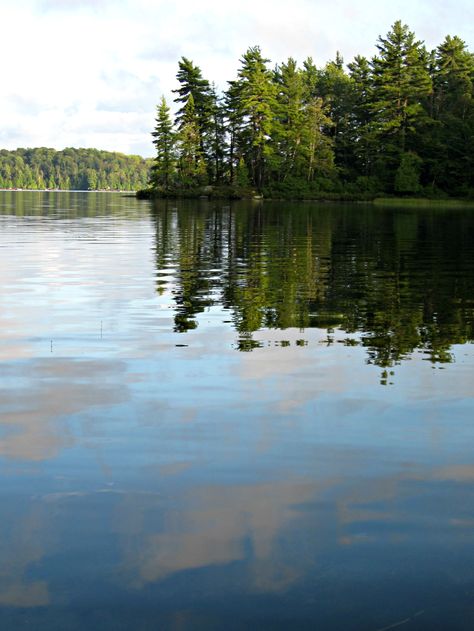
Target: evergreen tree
[[164, 165], [193, 84], [289, 120], [401, 82], [318, 146], [450, 147], [310, 77], [407, 177], [191, 164], [256, 106], [217, 138], [335, 87], [453, 76], [233, 123], [361, 138]]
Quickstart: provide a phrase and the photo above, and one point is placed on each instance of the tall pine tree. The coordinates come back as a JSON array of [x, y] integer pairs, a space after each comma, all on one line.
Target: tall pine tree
[[164, 165], [191, 164], [256, 106], [289, 120], [401, 82], [193, 84]]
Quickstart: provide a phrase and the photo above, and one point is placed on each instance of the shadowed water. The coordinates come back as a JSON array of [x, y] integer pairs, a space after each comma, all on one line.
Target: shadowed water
[[235, 416]]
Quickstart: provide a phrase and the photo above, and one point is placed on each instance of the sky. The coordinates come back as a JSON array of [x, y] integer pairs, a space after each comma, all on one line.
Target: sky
[[89, 73]]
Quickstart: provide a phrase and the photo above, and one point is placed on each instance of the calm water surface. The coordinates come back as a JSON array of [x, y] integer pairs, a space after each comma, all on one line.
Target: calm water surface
[[235, 417]]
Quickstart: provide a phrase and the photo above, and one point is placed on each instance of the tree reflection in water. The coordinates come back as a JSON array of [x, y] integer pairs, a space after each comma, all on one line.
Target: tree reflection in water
[[401, 279]]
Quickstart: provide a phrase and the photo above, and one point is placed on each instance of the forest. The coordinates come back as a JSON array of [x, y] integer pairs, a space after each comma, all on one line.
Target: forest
[[72, 169], [400, 123]]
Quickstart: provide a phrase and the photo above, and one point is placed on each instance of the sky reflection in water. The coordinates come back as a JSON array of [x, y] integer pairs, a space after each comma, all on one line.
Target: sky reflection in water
[[239, 417]]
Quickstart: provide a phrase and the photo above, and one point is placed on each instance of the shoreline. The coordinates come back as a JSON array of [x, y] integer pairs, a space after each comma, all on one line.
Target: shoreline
[[236, 195]]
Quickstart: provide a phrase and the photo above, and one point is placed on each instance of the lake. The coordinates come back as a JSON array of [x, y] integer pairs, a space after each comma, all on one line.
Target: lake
[[235, 416]]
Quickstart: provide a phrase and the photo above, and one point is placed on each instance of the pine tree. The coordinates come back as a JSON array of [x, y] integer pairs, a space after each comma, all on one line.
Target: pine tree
[[407, 177], [451, 146], [217, 138], [453, 75], [335, 87], [361, 138], [193, 84], [256, 106], [318, 146], [191, 164], [289, 120], [401, 84], [233, 124], [164, 165], [310, 76]]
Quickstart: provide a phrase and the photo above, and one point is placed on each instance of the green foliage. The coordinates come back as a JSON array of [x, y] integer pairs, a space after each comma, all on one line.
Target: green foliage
[[449, 149], [192, 83], [401, 122], [193, 87], [289, 121], [256, 107], [191, 165], [164, 165], [401, 81], [407, 177], [217, 139], [79, 169], [317, 145], [360, 143], [242, 174], [335, 88]]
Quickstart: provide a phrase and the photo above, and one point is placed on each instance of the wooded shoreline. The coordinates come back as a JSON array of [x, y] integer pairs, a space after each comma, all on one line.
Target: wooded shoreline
[[398, 124], [236, 195]]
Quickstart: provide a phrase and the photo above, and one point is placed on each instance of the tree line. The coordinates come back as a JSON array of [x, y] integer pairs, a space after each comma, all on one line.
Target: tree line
[[77, 169], [401, 123]]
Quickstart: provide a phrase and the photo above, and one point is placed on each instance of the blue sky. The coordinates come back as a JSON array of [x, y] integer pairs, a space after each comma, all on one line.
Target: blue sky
[[88, 73]]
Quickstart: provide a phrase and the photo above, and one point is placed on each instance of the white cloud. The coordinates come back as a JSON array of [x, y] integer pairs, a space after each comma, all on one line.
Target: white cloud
[[69, 59]]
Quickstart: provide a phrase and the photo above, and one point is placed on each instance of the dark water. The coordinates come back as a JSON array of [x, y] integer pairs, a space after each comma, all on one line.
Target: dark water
[[235, 417]]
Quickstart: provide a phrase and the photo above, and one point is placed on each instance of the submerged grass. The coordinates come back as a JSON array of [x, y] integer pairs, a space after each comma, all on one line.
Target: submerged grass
[[423, 202]]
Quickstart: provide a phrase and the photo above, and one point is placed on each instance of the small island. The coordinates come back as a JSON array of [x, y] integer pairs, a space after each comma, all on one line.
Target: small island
[[398, 125]]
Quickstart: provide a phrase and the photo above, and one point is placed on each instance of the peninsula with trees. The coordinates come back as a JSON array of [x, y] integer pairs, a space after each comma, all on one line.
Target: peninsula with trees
[[400, 123]]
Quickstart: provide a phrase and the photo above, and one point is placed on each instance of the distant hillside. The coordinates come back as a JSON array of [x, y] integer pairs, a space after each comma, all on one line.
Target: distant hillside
[[79, 169]]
